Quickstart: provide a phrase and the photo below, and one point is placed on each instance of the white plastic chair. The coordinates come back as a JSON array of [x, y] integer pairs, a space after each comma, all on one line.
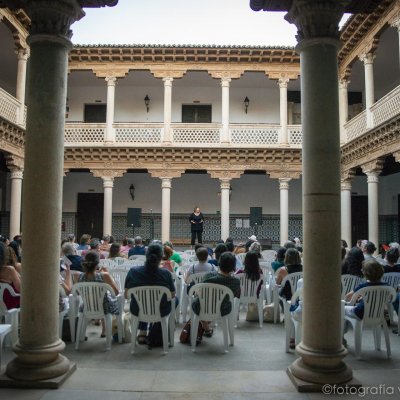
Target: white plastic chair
[[349, 283], [393, 280], [268, 256], [109, 264], [211, 296], [62, 314], [91, 296], [119, 275], [195, 278], [241, 257], [292, 279], [5, 329], [375, 299], [138, 257], [269, 281], [148, 299], [119, 261], [248, 294], [10, 316]]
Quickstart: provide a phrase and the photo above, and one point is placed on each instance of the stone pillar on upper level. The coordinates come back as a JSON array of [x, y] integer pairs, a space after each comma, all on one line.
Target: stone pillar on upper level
[[345, 203]]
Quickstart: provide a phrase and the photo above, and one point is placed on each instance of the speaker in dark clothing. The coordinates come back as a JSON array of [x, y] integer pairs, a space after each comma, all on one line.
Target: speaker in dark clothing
[[134, 217]]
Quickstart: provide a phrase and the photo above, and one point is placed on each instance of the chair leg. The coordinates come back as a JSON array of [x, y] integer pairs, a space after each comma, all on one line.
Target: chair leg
[[185, 301], [72, 319], [193, 331], [224, 324], [358, 338], [171, 329], [387, 339], [79, 331], [231, 330], [236, 308], [134, 327], [276, 304], [108, 326], [260, 311], [164, 330], [377, 337]]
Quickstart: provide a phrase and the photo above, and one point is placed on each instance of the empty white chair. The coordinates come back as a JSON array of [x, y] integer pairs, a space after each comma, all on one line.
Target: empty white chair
[[293, 326], [268, 256], [5, 329], [148, 299], [375, 299], [91, 297], [194, 278], [210, 296], [248, 294], [10, 316], [269, 281], [349, 283], [292, 279]]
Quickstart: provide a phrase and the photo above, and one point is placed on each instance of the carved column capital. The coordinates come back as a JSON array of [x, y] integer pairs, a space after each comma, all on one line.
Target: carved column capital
[[284, 183], [111, 80], [225, 175], [225, 183], [316, 19], [108, 181], [372, 168], [347, 176], [168, 81], [283, 81], [166, 183], [14, 163], [343, 83], [23, 53], [225, 81], [395, 22], [367, 58]]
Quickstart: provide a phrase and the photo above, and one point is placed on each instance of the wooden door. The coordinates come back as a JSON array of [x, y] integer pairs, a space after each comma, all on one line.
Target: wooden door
[[359, 218], [90, 214]]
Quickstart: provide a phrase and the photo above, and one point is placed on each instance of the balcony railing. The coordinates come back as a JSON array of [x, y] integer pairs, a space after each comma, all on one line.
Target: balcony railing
[[10, 109]]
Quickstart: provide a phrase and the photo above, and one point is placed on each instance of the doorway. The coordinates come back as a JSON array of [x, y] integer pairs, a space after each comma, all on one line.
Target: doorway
[[359, 218], [198, 113], [90, 214]]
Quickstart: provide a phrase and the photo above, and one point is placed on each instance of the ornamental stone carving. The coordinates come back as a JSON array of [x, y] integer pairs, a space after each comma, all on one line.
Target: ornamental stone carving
[[107, 173], [284, 175], [225, 174], [109, 71], [14, 163], [165, 174], [316, 19], [373, 168]]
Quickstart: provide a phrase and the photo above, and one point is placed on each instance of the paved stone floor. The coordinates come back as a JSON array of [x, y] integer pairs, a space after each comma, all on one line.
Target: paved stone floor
[[253, 369]]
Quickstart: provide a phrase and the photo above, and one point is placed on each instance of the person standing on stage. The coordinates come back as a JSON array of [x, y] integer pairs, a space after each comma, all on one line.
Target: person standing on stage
[[196, 221]]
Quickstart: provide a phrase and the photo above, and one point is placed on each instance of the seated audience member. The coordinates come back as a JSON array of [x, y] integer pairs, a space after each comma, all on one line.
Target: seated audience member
[[256, 247], [175, 256], [368, 248], [69, 251], [219, 249], [9, 274], [201, 266], [115, 251], [150, 275], [223, 277], [124, 246], [94, 246], [279, 258], [65, 282], [138, 249], [11, 258], [251, 240], [91, 274], [352, 263], [16, 246], [292, 264], [252, 268], [71, 239], [84, 242], [289, 245], [373, 273], [106, 243], [166, 261], [392, 257]]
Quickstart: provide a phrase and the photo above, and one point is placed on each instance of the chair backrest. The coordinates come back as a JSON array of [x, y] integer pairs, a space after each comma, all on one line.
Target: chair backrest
[[268, 255], [138, 257], [148, 299], [349, 283], [197, 278], [107, 263], [9, 288], [190, 252], [298, 294], [241, 257], [248, 288], [292, 279], [92, 296], [375, 299], [120, 260], [119, 275], [210, 296], [392, 279]]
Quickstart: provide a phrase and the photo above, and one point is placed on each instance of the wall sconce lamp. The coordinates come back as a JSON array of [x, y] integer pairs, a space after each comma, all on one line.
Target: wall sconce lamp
[[246, 104], [147, 102], [132, 191]]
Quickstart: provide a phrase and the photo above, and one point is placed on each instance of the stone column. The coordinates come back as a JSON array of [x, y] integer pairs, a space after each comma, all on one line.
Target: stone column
[[39, 346], [110, 132], [368, 60], [23, 55], [343, 108], [167, 109], [225, 82], [372, 170], [108, 184], [321, 351], [345, 202], [283, 84], [395, 23], [15, 206], [225, 185], [284, 209]]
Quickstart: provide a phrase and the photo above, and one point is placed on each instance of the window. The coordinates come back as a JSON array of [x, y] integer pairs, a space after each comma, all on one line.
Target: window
[[200, 114], [95, 113]]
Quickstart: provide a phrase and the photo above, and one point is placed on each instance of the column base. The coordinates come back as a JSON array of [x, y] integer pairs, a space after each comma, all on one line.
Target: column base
[[28, 375], [304, 386], [285, 145]]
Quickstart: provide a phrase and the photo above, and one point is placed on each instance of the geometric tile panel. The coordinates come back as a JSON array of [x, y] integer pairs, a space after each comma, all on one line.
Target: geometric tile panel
[[5, 223], [67, 223], [388, 229]]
